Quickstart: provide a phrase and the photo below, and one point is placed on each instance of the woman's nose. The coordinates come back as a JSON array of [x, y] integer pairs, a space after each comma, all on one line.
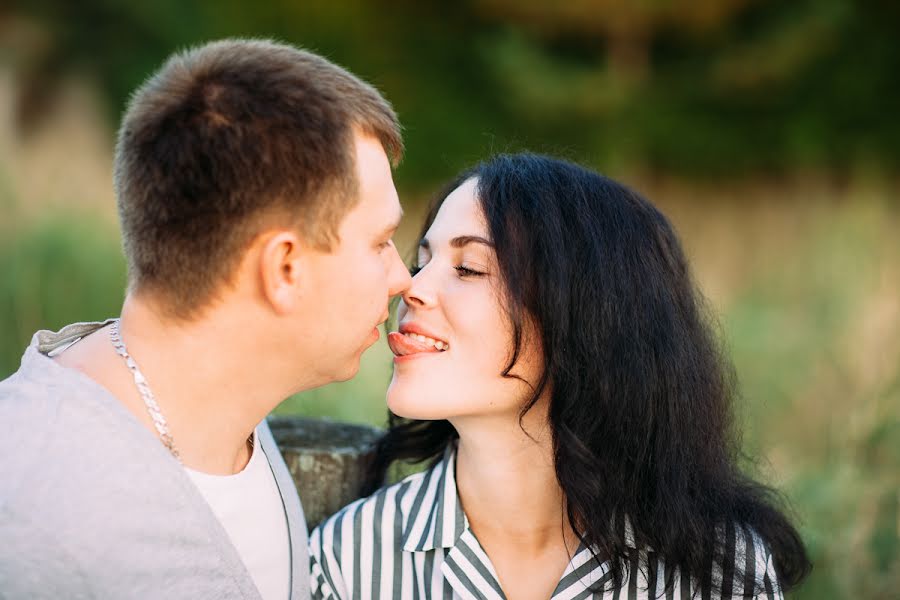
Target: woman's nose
[[421, 292]]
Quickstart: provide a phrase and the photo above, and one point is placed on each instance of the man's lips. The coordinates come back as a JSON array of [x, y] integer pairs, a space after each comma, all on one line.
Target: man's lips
[[375, 334], [403, 345]]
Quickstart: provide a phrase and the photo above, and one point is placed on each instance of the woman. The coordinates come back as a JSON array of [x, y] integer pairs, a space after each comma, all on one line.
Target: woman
[[555, 363]]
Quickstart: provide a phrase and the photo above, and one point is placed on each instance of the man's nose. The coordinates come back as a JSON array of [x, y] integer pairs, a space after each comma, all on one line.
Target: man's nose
[[399, 279]]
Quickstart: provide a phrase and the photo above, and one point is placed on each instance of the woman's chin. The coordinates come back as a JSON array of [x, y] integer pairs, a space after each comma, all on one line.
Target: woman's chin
[[409, 404], [404, 409]]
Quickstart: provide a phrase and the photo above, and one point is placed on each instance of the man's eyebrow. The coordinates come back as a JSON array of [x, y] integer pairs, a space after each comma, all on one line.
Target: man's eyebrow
[[460, 241]]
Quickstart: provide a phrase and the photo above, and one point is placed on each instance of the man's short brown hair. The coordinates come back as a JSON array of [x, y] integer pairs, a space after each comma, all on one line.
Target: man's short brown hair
[[222, 140]]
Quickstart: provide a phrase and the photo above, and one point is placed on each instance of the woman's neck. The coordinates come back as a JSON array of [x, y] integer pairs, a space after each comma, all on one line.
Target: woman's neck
[[507, 482]]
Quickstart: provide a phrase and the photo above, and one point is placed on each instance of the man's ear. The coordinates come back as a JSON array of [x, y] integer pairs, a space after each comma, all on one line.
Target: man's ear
[[282, 269]]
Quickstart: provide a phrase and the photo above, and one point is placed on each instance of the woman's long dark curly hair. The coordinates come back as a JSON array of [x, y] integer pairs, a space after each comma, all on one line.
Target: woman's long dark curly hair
[[640, 390]]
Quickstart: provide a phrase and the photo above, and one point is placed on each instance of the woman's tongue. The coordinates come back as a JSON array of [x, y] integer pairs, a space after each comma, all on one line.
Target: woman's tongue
[[402, 345]]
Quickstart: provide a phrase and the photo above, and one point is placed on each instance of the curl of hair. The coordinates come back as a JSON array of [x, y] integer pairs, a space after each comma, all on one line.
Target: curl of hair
[[640, 390]]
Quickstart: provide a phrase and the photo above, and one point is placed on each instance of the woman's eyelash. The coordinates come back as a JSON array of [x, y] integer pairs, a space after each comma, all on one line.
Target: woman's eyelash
[[467, 272], [462, 270]]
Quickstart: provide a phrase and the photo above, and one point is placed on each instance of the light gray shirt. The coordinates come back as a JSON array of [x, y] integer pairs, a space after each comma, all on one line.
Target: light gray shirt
[[92, 505]]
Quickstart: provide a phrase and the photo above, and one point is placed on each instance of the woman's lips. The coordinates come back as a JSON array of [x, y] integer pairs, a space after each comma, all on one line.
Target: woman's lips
[[402, 345]]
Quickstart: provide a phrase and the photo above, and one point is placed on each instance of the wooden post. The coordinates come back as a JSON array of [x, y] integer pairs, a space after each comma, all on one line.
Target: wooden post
[[327, 459]]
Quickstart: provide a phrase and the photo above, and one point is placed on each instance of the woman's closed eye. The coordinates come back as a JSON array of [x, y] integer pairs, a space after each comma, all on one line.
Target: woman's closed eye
[[465, 271], [462, 271]]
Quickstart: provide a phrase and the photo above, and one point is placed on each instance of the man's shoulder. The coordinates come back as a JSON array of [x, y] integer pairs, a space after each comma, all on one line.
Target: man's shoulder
[[66, 442], [33, 394], [44, 400], [29, 411], [26, 397], [81, 476]]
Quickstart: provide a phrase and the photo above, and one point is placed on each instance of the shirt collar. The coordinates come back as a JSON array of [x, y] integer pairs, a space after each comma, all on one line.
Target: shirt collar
[[435, 518], [51, 342]]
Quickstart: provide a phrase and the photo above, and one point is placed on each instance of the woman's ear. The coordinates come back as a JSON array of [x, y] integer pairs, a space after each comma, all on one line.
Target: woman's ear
[[281, 270]]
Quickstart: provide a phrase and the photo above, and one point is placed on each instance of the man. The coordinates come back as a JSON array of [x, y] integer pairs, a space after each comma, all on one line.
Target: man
[[257, 209]]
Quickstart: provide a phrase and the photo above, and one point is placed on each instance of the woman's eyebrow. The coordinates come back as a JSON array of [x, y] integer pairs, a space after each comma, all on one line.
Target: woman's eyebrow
[[460, 241]]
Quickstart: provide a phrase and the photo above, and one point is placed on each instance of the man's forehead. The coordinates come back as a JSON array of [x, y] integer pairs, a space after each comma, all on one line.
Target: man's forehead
[[389, 208], [378, 206], [393, 219], [376, 213], [372, 163]]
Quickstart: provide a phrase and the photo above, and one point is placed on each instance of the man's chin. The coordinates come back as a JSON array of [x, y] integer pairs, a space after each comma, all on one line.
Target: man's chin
[[351, 368], [348, 373]]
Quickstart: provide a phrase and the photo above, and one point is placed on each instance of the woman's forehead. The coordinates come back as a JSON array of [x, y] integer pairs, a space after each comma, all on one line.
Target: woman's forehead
[[460, 215]]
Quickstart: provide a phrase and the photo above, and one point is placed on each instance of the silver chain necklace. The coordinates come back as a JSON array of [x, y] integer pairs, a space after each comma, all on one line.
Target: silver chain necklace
[[159, 421]]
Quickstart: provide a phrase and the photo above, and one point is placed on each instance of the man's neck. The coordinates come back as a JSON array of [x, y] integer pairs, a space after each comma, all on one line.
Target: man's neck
[[212, 385]]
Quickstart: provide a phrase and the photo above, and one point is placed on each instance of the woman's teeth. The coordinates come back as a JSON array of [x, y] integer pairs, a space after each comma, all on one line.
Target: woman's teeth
[[440, 345]]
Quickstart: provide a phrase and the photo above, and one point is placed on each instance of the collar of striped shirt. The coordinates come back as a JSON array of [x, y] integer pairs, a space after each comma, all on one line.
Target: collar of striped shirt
[[412, 540], [435, 519]]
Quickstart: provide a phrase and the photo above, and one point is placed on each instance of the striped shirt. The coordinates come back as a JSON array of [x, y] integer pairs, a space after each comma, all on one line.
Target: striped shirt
[[411, 541]]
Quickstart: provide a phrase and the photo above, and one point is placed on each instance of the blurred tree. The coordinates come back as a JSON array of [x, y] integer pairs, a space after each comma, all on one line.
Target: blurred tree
[[626, 29], [701, 87]]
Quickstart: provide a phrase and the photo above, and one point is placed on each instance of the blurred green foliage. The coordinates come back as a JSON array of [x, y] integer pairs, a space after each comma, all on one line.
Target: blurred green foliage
[[819, 405], [707, 88], [58, 270]]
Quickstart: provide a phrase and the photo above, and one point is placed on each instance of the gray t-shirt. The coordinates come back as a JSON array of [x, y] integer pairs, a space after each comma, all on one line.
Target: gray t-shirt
[[92, 505]]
